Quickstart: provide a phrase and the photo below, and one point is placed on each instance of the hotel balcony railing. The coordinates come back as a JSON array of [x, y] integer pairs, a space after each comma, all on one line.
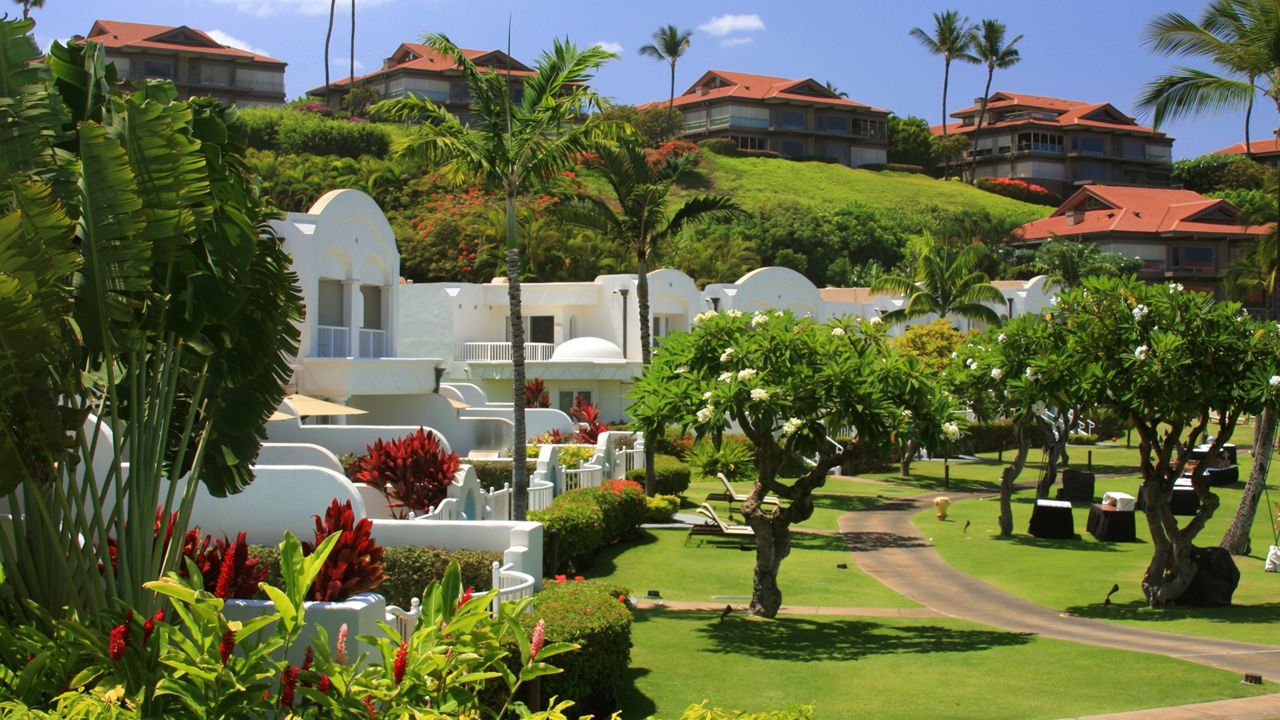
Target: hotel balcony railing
[[436, 96], [332, 341], [373, 343], [501, 351]]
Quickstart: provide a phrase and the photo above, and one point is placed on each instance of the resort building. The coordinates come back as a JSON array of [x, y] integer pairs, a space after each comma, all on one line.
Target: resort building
[[1264, 150], [794, 118], [419, 71], [1180, 235], [1059, 143], [197, 64]]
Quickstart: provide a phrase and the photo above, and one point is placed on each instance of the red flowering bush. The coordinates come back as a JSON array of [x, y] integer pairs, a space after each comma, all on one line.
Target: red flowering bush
[[589, 424], [414, 471], [355, 564], [535, 394], [551, 437], [226, 570], [669, 149], [1018, 190]]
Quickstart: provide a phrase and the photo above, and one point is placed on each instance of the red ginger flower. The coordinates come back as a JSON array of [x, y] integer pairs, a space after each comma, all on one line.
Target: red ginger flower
[[225, 646], [539, 635], [307, 659], [402, 659], [288, 684], [117, 641], [368, 705], [466, 597], [323, 684], [340, 648]]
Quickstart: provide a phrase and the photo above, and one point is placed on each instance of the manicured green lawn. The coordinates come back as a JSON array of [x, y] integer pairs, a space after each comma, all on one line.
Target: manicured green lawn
[[1075, 576], [721, 571], [852, 667]]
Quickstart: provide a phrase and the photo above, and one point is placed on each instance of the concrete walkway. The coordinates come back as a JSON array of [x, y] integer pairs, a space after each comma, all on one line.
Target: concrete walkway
[[888, 547], [1262, 707]]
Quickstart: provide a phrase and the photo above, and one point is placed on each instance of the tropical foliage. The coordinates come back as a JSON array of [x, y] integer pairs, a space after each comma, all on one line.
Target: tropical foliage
[[951, 39], [946, 283], [669, 44], [414, 471]]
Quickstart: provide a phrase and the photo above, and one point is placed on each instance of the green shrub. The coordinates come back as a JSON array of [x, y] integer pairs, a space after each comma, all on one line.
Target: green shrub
[[990, 436], [624, 507], [589, 614], [702, 712], [573, 455], [867, 457], [671, 475], [720, 146], [574, 529], [310, 133], [661, 508], [262, 125], [493, 474], [1082, 439]]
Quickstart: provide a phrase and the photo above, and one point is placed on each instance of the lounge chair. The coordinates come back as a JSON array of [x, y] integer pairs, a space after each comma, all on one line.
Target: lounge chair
[[732, 496], [717, 527]]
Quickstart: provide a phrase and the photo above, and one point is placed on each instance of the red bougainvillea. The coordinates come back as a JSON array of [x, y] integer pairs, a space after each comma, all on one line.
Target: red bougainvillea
[[414, 471], [1018, 190], [671, 148], [355, 563]]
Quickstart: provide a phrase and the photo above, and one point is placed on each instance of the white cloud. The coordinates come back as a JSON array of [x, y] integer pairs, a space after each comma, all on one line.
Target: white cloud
[[235, 42], [265, 8], [610, 46], [738, 40], [722, 25]]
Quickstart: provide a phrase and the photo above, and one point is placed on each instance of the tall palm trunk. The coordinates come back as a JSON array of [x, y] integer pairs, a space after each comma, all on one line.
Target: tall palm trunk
[[351, 72], [982, 116], [328, 37], [671, 100], [519, 470], [646, 352], [946, 80], [1248, 115], [1009, 476]]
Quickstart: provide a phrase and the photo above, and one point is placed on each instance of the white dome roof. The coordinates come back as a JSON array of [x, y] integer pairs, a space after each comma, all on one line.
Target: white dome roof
[[587, 348]]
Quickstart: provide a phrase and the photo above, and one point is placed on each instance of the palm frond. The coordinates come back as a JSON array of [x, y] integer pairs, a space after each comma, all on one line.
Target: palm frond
[[1190, 91]]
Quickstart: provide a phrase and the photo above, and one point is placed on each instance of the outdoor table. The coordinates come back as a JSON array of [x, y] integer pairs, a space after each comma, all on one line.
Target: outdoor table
[[1052, 519], [1202, 452], [1184, 500], [1109, 524], [1218, 477]]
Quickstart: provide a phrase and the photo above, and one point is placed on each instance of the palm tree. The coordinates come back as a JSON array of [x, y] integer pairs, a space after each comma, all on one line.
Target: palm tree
[[669, 43], [328, 36], [831, 87], [351, 72], [1242, 39], [510, 144], [946, 283], [1066, 262], [1254, 272], [990, 49], [641, 221], [28, 5], [951, 40]]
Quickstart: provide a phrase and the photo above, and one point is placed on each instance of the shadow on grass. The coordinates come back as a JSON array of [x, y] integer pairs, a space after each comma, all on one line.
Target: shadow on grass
[[1138, 610], [1056, 544], [605, 562], [846, 503], [798, 639], [925, 482], [631, 701]]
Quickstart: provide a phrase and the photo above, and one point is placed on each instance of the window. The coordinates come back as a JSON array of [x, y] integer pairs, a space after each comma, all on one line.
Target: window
[[1133, 149], [542, 328], [835, 123], [739, 116], [372, 295], [1192, 258], [746, 142], [1088, 171], [567, 398], [864, 127], [1039, 142], [792, 147], [157, 68], [1088, 145], [838, 150], [331, 311], [791, 119], [664, 325], [1162, 153]]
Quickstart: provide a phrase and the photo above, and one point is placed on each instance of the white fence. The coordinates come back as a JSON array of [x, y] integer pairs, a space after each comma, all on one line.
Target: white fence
[[373, 343], [583, 476], [332, 342], [501, 351], [511, 584], [625, 460]]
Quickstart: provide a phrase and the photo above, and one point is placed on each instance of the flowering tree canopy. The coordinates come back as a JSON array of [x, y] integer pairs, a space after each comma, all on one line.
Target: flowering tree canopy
[[790, 385]]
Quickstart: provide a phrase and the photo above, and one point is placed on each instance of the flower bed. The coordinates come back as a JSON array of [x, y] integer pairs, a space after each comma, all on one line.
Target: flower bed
[[1018, 190]]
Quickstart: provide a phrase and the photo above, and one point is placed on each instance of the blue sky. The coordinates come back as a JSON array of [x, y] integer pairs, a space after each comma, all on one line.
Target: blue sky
[[1085, 49]]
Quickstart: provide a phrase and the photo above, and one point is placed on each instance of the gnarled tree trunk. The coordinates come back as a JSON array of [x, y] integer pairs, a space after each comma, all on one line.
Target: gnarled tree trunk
[[908, 454], [773, 544], [1008, 477], [1236, 539]]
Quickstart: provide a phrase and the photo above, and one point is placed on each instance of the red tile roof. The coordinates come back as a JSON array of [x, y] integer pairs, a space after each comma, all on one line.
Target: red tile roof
[[1067, 113], [1160, 211], [418, 57], [760, 87], [1266, 146], [120, 35]]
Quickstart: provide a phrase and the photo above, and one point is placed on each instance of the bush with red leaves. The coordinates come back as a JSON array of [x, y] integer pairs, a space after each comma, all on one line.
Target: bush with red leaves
[[225, 566], [535, 394], [589, 424], [414, 471], [1018, 190], [355, 564], [672, 148]]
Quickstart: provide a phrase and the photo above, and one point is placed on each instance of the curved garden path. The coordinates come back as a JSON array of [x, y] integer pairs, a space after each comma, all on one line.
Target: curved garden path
[[887, 546]]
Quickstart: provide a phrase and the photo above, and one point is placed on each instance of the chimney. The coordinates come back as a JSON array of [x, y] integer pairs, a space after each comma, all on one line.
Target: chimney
[[702, 90], [1075, 217]]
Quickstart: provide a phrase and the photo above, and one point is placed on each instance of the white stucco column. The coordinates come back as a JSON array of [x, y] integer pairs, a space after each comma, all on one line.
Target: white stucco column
[[341, 419], [355, 318]]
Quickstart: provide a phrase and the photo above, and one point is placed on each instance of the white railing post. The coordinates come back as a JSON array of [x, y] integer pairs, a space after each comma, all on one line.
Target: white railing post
[[496, 581]]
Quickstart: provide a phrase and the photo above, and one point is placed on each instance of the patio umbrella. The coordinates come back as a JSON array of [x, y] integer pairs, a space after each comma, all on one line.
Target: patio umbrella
[[277, 415], [307, 406], [458, 404]]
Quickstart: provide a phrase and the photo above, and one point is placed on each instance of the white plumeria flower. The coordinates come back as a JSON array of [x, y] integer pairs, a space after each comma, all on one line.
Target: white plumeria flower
[[706, 413], [837, 331], [1141, 351], [759, 394], [1039, 408], [706, 395], [791, 426], [724, 356], [875, 320], [777, 313], [1140, 312], [1030, 374], [951, 430], [759, 319], [747, 374], [682, 369], [971, 364], [906, 414], [996, 373], [707, 315], [1275, 381], [734, 313], [1175, 287], [726, 377], [953, 355], [1000, 338], [1054, 301]]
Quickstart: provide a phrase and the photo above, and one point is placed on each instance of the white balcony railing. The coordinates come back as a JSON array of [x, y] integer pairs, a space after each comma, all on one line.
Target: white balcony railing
[[585, 476], [332, 342], [501, 351], [373, 343]]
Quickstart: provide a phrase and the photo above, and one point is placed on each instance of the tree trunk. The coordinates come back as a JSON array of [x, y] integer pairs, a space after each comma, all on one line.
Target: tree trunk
[[904, 462], [328, 36], [671, 101], [351, 73], [646, 353], [1008, 477], [773, 544], [1056, 440], [1236, 539], [946, 80], [982, 116], [519, 471]]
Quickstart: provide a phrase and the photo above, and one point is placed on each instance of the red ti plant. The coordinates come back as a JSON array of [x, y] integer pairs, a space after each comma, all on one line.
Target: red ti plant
[[225, 565], [414, 471], [589, 424], [535, 394], [355, 564]]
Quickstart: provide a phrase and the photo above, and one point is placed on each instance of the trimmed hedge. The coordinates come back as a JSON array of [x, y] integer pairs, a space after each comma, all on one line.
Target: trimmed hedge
[[574, 529], [292, 132], [671, 475], [493, 475], [590, 614], [1082, 439], [407, 569], [661, 508]]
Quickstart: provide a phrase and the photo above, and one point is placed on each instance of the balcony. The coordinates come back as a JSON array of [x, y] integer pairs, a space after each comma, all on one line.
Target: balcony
[[500, 352], [332, 342], [373, 343]]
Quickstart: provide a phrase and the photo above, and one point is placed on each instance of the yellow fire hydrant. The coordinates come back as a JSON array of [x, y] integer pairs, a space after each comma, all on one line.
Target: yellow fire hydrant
[[940, 505]]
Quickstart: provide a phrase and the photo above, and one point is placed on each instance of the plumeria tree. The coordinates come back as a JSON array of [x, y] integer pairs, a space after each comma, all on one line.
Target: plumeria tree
[[1168, 359], [790, 385]]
